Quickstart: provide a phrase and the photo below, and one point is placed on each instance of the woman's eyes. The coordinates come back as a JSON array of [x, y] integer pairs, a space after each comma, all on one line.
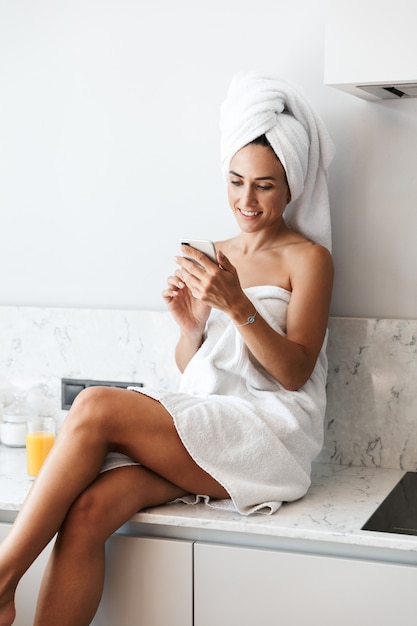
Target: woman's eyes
[[239, 183]]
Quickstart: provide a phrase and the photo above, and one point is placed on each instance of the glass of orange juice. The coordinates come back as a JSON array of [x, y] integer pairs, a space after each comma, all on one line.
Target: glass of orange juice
[[40, 437]]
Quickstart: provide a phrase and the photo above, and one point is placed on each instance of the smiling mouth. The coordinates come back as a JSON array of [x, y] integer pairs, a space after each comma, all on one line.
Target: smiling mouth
[[250, 213]]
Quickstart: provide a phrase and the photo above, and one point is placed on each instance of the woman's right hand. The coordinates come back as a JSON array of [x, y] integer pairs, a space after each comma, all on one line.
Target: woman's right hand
[[189, 312]]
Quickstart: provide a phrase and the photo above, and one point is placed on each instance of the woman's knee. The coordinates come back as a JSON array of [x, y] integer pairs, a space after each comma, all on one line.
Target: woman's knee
[[92, 399], [86, 515], [91, 406]]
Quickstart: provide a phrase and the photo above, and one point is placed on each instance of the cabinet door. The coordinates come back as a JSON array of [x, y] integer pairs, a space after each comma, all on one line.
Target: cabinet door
[[247, 586], [28, 589], [148, 582]]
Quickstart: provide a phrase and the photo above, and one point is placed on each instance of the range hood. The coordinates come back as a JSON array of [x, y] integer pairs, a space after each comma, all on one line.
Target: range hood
[[371, 48], [391, 90]]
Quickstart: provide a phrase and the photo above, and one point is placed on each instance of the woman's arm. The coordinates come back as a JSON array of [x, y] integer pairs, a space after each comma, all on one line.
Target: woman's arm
[[185, 350], [289, 359]]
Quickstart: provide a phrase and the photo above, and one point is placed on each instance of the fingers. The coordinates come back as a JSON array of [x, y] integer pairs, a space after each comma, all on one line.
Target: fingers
[[175, 284], [207, 282], [193, 268], [224, 263], [196, 257]]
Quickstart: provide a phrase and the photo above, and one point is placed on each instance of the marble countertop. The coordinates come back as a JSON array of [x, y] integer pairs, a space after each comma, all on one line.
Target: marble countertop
[[339, 502]]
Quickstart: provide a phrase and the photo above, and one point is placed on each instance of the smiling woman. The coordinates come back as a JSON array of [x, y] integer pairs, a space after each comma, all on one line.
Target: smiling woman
[[257, 106], [260, 192], [247, 419]]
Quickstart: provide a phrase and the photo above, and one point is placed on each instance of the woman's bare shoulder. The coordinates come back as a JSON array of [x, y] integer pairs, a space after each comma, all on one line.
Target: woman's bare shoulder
[[303, 248], [309, 261]]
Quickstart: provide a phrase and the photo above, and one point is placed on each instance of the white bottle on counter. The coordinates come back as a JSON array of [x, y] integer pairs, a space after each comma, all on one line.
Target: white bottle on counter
[[13, 427]]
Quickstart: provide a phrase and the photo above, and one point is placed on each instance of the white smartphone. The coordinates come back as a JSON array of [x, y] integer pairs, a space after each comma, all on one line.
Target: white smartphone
[[203, 245]]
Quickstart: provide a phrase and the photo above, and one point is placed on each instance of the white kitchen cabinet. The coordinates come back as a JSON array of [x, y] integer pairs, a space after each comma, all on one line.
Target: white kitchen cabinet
[[246, 586], [149, 582], [152, 581], [27, 591]]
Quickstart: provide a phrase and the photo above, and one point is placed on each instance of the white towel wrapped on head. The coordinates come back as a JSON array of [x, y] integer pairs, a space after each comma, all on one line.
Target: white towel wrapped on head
[[257, 105]]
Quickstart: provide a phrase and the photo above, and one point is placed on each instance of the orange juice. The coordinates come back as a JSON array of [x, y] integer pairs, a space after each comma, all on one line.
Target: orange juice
[[38, 445]]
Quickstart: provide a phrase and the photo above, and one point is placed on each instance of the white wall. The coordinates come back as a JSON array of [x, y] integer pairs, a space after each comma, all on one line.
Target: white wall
[[109, 149]]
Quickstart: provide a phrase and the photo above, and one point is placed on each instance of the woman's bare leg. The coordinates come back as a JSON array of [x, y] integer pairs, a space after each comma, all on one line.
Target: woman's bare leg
[[102, 419], [73, 582]]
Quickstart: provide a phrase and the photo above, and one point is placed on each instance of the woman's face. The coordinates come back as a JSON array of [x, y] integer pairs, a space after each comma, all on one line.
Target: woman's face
[[257, 188]]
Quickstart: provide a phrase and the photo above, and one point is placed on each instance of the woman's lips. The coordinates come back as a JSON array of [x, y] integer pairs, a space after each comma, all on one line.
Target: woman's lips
[[249, 213]]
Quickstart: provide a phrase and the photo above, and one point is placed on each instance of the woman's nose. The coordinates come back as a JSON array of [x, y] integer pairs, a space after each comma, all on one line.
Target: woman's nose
[[248, 196]]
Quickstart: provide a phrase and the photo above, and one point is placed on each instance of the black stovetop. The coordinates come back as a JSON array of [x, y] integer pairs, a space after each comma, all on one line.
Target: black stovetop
[[398, 512]]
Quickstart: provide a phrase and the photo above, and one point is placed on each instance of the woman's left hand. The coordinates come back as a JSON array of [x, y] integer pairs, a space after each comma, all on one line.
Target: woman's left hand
[[216, 284]]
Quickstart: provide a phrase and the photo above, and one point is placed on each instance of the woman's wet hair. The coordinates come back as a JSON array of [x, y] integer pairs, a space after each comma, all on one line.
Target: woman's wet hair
[[260, 141], [263, 141]]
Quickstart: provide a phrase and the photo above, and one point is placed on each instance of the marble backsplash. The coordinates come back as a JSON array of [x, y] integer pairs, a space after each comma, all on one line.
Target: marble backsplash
[[371, 418], [40, 346]]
